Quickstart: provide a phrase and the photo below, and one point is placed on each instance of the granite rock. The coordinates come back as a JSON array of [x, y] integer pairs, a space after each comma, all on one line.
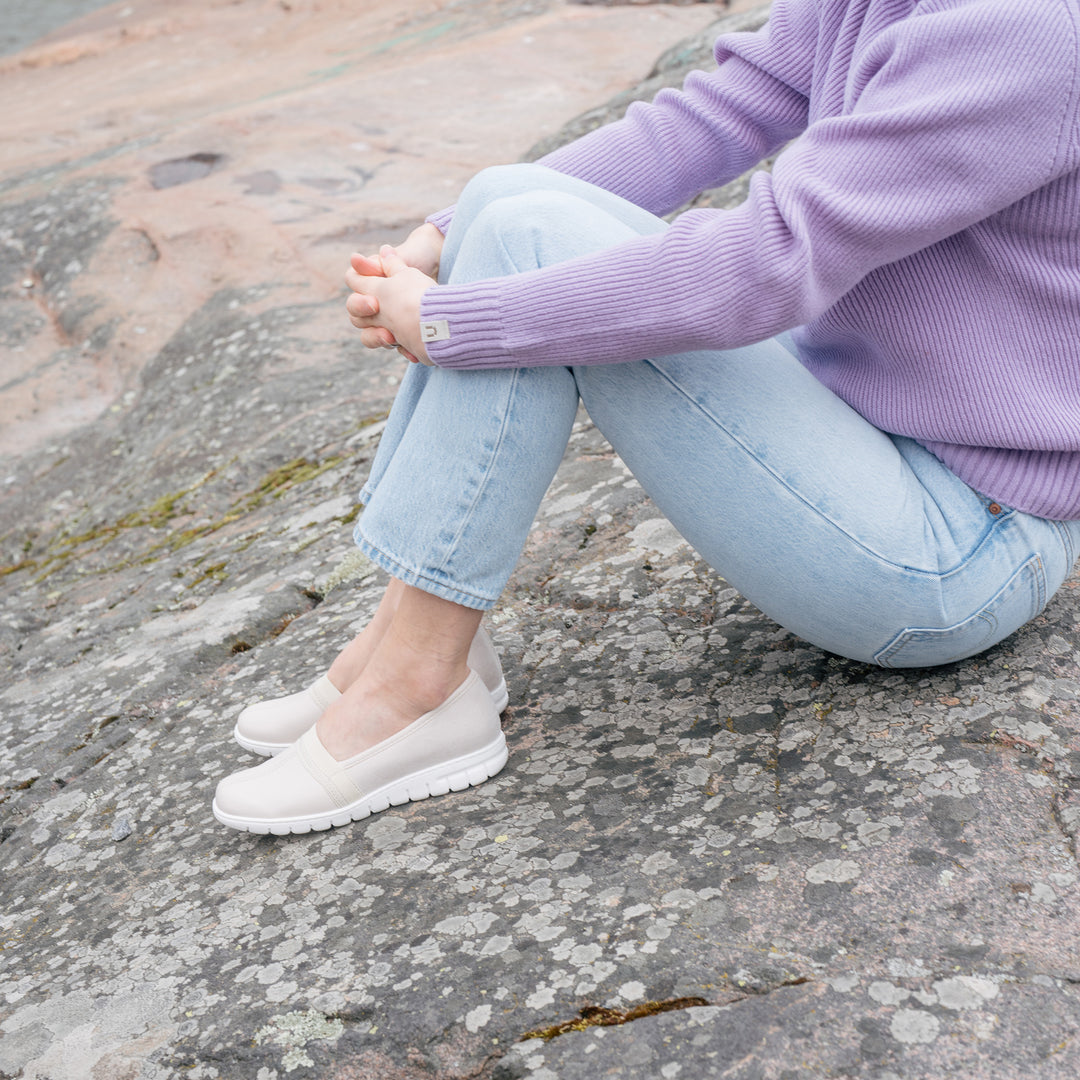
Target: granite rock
[[860, 872]]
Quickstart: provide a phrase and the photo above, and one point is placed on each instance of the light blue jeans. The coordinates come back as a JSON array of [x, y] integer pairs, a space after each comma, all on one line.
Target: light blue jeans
[[859, 542]]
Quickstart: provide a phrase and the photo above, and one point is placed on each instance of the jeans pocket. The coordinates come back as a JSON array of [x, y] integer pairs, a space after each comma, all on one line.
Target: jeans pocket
[[1020, 599]]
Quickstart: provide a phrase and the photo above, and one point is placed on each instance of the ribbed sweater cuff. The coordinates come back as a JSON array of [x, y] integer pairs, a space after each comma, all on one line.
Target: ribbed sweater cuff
[[472, 313], [441, 219]]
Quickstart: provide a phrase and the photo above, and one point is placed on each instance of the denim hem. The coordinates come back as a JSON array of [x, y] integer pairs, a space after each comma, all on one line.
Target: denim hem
[[421, 581]]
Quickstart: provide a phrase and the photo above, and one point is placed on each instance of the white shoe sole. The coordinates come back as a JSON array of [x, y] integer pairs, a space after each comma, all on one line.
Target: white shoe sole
[[499, 696], [454, 775]]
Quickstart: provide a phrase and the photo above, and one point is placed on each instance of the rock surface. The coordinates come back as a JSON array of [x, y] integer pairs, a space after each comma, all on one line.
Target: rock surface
[[156, 154], [829, 869]]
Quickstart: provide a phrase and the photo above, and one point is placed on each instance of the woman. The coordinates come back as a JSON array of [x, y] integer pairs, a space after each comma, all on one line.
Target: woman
[[857, 395]]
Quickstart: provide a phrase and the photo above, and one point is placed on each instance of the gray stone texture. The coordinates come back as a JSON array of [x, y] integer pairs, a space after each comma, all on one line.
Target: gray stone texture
[[864, 873]]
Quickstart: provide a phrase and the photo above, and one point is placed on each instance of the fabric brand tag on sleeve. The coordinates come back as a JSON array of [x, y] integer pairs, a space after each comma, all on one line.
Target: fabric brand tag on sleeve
[[435, 330]]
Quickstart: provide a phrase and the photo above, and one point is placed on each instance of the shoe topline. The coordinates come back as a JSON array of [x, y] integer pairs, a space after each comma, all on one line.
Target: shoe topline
[[305, 789], [267, 727]]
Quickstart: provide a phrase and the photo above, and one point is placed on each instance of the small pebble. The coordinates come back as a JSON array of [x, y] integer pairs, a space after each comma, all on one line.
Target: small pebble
[[121, 829], [28, 283]]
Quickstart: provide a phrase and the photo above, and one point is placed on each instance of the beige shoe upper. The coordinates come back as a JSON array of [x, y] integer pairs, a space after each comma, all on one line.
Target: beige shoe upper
[[267, 727], [484, 660], [304, 787]]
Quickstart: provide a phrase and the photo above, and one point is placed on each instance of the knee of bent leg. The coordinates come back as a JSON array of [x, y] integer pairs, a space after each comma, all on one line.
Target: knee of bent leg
[[507, 234], [534, 229], [500, 182]]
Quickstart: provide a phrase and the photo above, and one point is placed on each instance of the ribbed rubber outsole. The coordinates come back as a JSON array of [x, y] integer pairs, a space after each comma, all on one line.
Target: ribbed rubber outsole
[[499, 696], [455, 775]]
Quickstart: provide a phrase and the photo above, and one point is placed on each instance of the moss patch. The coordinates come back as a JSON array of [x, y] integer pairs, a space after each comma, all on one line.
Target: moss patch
[[61, 549], [599, 1016]]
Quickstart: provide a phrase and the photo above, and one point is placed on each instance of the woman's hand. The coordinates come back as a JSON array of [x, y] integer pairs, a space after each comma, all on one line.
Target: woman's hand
[[422, 248], [385, 305]]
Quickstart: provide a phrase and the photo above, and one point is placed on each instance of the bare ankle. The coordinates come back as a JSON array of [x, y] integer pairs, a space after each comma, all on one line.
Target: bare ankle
[[350, 663], [422, 680]]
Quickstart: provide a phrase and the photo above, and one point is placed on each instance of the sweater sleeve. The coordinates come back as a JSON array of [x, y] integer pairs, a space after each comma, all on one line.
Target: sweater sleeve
[[720, 124], [944, 118]]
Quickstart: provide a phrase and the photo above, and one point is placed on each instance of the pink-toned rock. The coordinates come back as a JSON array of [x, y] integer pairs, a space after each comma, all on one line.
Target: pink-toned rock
[[256, 142]]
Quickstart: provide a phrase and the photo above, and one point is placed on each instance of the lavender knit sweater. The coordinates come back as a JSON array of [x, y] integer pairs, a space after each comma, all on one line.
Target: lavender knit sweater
[[923, 230]]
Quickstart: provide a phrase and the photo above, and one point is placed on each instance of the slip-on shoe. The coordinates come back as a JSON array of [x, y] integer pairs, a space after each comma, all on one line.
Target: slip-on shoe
[[267, 727], [305, 788]]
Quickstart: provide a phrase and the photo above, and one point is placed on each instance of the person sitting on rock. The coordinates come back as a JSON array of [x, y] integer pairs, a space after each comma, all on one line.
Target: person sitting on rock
[[857, 394]]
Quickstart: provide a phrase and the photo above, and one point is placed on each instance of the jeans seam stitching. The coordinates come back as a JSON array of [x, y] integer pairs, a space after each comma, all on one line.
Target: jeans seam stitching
[[467, 513], [1066, 543], [940, 574], [916, 634]]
